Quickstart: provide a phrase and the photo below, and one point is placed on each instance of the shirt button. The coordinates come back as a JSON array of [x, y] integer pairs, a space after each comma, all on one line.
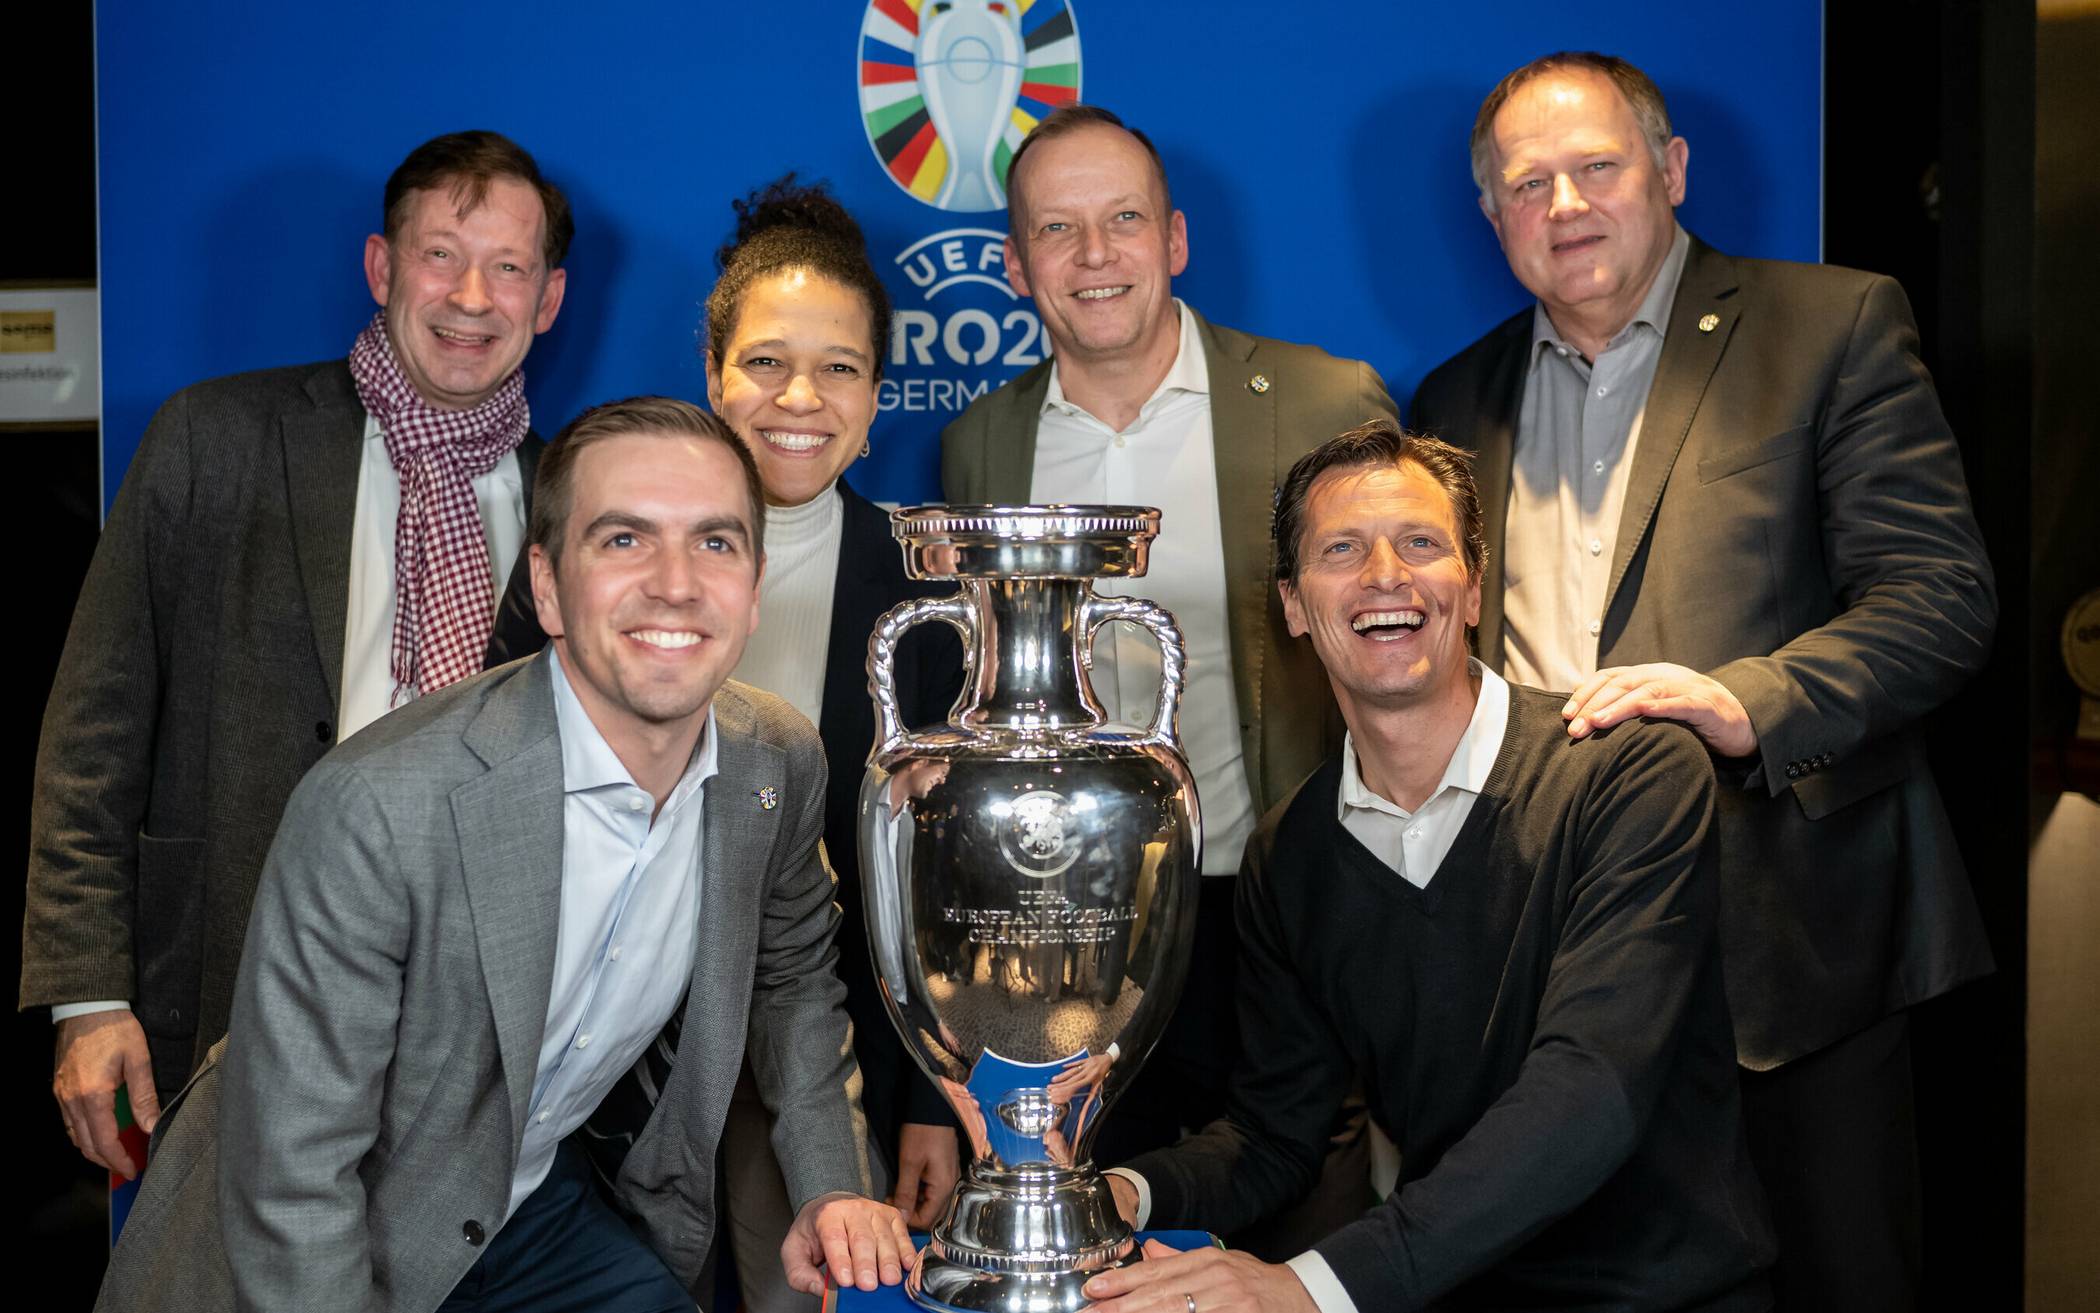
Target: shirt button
[[615, 954], [1119, 440], [583, 1041], [1414, 834], [1596, 546], [634, 804], [1561, 351], [1595, 627], [1598, 468], [545, 1115], [1602, 391]]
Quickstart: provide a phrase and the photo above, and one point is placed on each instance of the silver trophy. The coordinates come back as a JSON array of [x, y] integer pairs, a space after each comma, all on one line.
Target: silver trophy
[[1030, 881]]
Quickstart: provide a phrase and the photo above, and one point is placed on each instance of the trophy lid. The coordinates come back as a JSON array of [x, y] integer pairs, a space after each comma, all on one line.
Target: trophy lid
[[1025, 542]]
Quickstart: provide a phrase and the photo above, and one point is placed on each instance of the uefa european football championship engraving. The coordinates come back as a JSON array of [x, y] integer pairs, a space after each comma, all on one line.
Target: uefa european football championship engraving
[[1030, 873]]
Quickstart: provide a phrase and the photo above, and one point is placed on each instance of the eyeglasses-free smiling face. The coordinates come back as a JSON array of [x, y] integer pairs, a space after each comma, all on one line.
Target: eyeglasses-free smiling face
[[657, 589], [1584, 213], [465, 294], [1098, 246], [1382, 586], [797, 382]]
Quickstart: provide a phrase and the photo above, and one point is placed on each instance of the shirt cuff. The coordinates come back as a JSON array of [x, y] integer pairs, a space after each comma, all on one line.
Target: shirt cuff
[[1321, 1283], [68, 1011], [1144, 1194]]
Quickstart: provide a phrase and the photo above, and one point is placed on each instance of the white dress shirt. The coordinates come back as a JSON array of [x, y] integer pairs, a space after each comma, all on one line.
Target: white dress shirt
[[1576, 435], [630, 913], [1164, 459], [788, 651], [368, 635], [1414, 844]]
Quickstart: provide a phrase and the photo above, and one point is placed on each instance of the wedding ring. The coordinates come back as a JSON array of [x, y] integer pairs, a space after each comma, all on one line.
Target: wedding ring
[[1190, 1300]]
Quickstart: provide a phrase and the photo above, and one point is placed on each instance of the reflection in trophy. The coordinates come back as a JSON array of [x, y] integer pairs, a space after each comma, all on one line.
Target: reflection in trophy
[[970, 60], [1030, 876]]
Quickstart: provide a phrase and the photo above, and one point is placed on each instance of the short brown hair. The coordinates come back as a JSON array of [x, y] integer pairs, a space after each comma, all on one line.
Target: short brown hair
[[467, 162], [1070, 119], [1381, 442], [1640, 91], [553, 488]]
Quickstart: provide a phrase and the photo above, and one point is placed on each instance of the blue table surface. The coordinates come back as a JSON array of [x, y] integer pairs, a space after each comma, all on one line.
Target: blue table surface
[[892, 1299]]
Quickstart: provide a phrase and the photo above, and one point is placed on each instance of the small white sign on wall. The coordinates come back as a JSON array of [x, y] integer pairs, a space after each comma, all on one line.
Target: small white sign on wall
[[50, 355]]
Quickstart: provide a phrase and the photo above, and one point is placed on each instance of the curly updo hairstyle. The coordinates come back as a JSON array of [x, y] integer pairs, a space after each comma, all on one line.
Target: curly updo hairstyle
[[780, 227]]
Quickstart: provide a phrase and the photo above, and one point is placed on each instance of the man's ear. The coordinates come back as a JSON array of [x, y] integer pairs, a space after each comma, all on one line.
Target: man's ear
[[550, 299], [546, 603], [379, 267], [1293, 612], [1016, 269], [1677, 161]]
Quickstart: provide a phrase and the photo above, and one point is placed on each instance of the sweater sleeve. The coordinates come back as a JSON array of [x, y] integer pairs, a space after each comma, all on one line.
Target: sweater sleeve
[[1638, 930], [1285, 1097]]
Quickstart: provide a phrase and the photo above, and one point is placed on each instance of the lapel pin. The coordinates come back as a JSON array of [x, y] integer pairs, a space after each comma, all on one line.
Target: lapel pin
[[1258, 384], [1708, 323], [768, 797]]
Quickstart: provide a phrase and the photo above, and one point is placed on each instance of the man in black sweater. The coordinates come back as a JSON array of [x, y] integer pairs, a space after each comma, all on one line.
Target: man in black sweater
[[1506, 935]]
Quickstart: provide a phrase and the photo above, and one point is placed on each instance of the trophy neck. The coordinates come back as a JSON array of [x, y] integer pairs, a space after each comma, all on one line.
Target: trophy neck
[[1031, 673]]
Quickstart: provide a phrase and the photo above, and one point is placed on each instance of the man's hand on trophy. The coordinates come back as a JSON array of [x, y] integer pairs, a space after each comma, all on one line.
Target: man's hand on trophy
[[1203, 1280], [853, 1241], [928, 1165]]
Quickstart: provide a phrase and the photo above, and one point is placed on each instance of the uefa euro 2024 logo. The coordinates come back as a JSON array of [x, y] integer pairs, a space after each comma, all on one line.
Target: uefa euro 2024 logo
[[949, 87]]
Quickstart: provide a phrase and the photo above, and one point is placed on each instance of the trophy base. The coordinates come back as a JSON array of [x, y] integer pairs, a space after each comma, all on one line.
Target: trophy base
[[951, 1287], [1022, 1242]]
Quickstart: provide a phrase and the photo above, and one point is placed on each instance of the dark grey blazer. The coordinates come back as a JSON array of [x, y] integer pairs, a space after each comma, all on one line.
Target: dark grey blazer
[[391, 1002], [1797, 526], [199, 683], [1303, 397]]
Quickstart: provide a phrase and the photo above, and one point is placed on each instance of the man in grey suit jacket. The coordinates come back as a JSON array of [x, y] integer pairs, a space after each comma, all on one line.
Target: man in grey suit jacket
[[1792, 570], [239, 619], [477, 915], [1145, 401]]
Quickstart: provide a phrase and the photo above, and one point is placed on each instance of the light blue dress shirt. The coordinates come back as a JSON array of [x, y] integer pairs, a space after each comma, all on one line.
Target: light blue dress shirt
[[630, 915]]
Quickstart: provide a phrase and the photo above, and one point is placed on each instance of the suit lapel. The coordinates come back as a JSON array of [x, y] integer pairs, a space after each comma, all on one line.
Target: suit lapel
[[510, 839], [857, 591], [736, 840], [1494, 440], [1689, 355], [322, 450], [1243, 444], [1009, 437]]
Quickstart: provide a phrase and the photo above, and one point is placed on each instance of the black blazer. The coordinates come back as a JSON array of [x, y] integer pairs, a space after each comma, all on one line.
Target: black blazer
[[929, 668], [1796, 526]]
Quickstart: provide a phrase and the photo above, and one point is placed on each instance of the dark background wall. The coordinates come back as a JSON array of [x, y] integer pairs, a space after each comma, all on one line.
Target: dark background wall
[[1929, 174]]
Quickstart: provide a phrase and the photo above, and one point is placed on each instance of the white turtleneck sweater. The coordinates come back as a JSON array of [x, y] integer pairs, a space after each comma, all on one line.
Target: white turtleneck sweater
[[786, 651]]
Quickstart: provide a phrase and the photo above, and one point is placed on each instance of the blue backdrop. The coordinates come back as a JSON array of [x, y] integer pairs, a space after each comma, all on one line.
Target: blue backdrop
[[1318, 149]]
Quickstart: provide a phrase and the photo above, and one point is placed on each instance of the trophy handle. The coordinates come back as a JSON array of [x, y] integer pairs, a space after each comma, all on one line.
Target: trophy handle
[[1097, 611], [890, 730]]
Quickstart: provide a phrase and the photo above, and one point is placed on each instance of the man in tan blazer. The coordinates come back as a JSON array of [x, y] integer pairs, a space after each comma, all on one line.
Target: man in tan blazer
[[1145, 401]]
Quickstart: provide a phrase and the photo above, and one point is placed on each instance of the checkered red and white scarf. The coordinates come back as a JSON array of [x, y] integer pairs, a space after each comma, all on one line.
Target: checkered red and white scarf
[[443, 589]]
